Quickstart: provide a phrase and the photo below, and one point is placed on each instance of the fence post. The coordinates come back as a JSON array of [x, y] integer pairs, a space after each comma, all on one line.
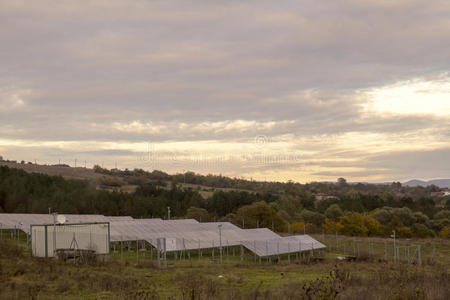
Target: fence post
[[300, 248], [419, 254], [398, 254], [121, 250], [151, 251], [228, 246], [289, 252], [336, 242], [144, 249], [409, 259], [158, 252], [278, 251], [165, 253]]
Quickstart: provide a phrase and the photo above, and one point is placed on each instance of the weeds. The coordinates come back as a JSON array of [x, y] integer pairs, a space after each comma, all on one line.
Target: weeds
[[24, 277]]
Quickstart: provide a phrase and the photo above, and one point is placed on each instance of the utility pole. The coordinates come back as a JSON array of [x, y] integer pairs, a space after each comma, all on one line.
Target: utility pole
[[336, 241], [168, 212]]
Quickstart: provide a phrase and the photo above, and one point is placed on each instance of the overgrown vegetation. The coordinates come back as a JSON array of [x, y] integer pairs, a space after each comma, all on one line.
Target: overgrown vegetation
[[25, 277]]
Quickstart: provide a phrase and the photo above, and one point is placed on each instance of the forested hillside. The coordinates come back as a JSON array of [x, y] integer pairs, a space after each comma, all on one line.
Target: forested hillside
[[351, 209]]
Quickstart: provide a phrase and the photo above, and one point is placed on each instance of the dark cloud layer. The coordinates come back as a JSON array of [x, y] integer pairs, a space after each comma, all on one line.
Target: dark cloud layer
[[133, 71]]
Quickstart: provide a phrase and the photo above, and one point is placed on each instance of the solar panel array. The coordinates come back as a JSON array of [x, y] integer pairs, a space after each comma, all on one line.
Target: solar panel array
[[188, 234]]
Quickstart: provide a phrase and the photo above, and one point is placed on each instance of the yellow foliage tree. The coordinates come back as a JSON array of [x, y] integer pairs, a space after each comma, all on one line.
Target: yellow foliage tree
[[332, 227], [373, 226], [404, 232], [299, 227], [445, 233]]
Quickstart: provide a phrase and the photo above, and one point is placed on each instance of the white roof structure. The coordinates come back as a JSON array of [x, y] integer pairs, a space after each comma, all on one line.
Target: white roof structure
[[186, 234]]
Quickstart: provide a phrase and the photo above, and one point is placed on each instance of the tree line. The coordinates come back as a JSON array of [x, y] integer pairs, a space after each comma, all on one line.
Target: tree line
[[367, 210]]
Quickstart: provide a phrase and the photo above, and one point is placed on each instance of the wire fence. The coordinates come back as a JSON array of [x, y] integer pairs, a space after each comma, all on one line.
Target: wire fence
[[407, 251], [412, 251]]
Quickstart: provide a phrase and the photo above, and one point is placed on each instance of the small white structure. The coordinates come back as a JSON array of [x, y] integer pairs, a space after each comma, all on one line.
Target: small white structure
[[47, 238]]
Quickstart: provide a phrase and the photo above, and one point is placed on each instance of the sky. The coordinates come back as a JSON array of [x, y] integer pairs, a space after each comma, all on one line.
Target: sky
[[300, 90]]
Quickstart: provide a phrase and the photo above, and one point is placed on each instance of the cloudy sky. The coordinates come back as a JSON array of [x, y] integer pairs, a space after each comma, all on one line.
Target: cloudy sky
[[270, 90]]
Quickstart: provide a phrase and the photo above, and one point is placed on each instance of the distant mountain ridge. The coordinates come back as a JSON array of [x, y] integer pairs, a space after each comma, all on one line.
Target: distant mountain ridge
[[442, 183]]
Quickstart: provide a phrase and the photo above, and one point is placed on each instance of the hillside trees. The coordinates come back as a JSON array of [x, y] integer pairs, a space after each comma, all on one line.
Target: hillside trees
[[334, 212], [199, 214], [36, 193], [260, 214], [354, 225]]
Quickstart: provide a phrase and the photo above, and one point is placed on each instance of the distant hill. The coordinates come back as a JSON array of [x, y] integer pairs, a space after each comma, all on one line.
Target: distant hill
[[442, 183]]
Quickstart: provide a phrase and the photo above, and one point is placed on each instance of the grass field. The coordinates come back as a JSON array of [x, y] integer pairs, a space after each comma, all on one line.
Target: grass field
[[207, 191], [126, 276]]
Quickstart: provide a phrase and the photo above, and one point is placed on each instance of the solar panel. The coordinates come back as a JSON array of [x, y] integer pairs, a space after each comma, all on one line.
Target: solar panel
[[187, 234], [23, 221], [283, 245]]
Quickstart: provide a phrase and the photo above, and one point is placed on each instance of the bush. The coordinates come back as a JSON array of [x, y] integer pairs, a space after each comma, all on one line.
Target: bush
[[422, 231], [334, 212], [9, 248]]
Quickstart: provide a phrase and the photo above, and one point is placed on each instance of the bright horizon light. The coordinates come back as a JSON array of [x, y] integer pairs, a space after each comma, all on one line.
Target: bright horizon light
[[412, 97]]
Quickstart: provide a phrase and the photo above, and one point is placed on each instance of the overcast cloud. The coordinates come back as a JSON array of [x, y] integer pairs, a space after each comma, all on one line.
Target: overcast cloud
[[218, 82]]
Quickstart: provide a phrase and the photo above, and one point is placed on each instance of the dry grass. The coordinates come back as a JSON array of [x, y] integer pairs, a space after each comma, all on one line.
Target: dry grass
[[24, 277]]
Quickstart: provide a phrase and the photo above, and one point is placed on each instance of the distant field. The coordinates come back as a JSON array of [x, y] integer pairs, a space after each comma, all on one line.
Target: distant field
[[207, 191], [66, 172]]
